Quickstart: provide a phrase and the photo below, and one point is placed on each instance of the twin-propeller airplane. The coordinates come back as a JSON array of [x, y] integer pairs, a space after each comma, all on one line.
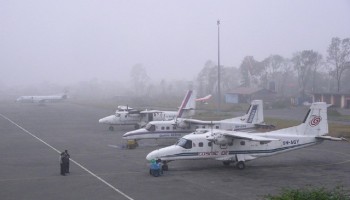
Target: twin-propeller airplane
[[41, 99], [239, 147], [139, 119], [179, 127]]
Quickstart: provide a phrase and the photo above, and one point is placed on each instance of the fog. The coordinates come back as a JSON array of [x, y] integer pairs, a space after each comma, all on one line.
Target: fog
[[61, 43]]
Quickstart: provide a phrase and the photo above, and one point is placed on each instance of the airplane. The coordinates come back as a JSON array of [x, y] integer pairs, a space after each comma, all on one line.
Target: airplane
[[239, 147], [204, 100], [41, 99], [179, 127], [141, 118]]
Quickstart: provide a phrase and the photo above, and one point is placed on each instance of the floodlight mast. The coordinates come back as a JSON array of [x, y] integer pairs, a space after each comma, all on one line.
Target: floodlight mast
[[219, 92]]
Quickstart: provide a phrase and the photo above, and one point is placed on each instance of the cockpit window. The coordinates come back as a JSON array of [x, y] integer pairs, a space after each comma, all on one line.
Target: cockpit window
[[150, 127], [187, 144]]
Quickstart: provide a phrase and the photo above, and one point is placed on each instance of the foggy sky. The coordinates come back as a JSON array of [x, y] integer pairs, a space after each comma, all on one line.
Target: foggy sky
[[70, 41]]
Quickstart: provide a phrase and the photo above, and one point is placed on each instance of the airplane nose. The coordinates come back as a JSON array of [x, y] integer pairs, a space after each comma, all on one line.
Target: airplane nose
[[151, 155]]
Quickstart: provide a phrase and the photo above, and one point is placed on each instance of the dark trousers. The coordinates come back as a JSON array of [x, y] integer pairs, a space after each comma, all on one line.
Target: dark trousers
[[67, 167], [63, 171]]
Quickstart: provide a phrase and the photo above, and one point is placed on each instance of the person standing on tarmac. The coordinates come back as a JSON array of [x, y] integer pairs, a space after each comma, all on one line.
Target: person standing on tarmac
[[62, 167], [66, 154]]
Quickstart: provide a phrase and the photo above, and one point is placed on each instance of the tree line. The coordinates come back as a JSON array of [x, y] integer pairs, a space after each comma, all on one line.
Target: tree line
[[305, 72]]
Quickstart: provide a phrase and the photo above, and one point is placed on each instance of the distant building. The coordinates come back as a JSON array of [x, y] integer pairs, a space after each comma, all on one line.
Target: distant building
[[340, 100], [247, 94]]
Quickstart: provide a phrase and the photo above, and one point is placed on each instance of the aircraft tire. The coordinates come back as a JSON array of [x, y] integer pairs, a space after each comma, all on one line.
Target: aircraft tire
[[165, 167], [240, 165], [111, 128], [226, 163]]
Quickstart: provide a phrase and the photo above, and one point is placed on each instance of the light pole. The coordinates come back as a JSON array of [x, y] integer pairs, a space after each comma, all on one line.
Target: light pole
[[219, 92]]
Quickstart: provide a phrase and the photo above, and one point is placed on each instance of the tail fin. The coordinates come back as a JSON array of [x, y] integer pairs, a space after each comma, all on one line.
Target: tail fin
[[255, 114], [188, 105], [315, 121]]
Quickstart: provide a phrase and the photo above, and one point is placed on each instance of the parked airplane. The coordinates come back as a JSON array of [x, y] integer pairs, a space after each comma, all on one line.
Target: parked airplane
[[180, 126], [41, 99], [204, 100], [238, 147], [141, 118]]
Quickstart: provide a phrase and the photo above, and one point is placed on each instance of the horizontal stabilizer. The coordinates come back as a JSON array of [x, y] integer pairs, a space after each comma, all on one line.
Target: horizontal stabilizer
[[326, 137]]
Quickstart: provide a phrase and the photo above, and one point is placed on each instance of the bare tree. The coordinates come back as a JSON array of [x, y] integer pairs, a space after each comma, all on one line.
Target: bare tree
[[304, 64], [339, 58], [139, 79]]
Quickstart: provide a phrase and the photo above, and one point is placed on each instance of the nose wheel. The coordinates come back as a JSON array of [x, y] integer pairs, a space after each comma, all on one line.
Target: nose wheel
[[240, 165]]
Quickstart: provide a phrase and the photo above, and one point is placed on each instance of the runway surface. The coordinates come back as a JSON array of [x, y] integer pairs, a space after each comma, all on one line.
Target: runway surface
[[32, 135]]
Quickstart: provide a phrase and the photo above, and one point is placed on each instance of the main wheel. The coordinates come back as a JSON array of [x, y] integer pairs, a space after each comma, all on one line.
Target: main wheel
[[165, 167], [240, 165], [111, 128], [226, 163]]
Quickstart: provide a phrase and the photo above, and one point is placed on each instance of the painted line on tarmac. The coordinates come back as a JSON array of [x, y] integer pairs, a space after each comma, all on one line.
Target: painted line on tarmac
[[75, 162]]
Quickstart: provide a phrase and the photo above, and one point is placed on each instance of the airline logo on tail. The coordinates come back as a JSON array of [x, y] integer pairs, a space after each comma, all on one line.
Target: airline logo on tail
[[315, 120], [252, 113], [184, 103]]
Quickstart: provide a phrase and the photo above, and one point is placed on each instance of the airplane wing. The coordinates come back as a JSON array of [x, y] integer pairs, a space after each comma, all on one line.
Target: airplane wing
[[196, 121], [246, 136], [151, 111], [326, 137]]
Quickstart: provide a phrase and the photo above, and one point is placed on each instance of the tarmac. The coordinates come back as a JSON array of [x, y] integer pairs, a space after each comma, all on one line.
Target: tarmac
[[31, 137]]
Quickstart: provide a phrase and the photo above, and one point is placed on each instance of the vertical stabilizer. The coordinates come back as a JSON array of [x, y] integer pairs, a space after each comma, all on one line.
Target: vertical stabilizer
[[188, 105], [255, 114], [315, 121]]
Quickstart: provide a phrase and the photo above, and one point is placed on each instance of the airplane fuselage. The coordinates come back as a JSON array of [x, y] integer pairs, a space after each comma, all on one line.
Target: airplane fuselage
[[170, 129], [196, 146], [41, 99], [125, 118]]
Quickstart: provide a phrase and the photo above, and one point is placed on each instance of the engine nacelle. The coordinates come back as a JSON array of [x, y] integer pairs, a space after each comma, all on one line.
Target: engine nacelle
[[181, 123], [219, 139]]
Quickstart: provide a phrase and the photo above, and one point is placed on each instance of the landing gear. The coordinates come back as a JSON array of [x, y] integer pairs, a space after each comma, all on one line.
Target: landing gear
[[226, 163], [165, 166], [111, 128], [137, 126], [240, 165]]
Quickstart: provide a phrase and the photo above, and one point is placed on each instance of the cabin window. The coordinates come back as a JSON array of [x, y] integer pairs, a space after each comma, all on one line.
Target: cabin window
[[162, 128], [126, 116], [203, 126], [197, 127], [209, 144], [174, 127], [200, 144], [242, 142], [182, 142], [117, 115], [167, 128], [150, 127], [217, 127]]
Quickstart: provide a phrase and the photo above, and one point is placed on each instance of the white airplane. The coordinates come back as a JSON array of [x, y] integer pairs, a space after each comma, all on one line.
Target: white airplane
[[239, 147], [141, 118], [180, 126], [41, 99], [204, 100]]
